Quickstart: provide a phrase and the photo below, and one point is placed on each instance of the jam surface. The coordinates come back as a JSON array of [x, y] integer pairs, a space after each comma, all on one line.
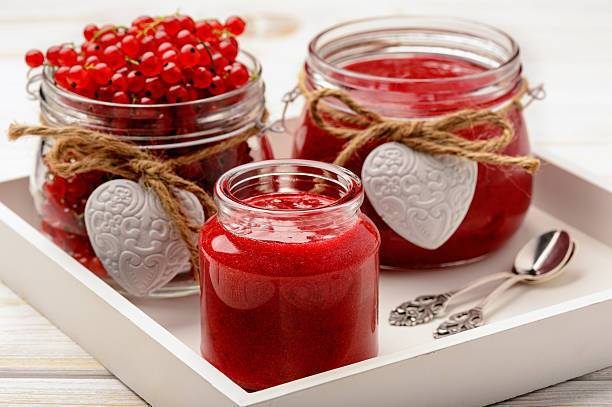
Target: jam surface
[[503, 194], [288, 300]]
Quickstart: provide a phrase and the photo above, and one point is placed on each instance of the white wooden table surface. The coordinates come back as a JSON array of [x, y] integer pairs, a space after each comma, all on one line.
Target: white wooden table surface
[[565, 44]]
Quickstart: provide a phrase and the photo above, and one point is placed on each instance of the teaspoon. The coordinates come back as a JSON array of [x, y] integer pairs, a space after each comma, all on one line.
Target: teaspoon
[[540, 260]]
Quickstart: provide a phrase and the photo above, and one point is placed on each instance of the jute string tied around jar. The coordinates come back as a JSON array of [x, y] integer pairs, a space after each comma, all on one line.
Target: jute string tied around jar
[[437, 136], [76, 150]]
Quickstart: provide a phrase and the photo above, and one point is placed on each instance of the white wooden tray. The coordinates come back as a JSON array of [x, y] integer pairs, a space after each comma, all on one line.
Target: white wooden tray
[[536, 337]]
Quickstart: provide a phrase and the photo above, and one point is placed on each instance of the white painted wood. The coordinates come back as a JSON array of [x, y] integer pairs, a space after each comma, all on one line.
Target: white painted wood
[[66, 392], [580, 299], [31, 347]]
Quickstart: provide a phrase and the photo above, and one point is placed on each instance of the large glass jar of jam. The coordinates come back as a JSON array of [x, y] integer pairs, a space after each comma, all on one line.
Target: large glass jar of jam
[[167, 130], [289, 273], [417, 68]]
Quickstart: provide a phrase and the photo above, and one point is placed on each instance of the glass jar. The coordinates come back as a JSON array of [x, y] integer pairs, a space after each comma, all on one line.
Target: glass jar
[[289, 273], [168, 130], [418, 68]]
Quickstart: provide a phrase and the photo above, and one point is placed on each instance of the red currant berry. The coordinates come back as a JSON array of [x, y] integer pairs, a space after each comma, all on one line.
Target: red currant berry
[[142, 21], [186, 22], [238, 75], [165, 46], [185, 37], [216, 26], [34, 58], [130, 46], [91, 60], [219, 61], [119, 82], [204, 55], [77, 75], [135, 81], [189, 56], [177, 94], [87, 88], [52, 55], [104, 93], [203, 30], [150, 65], [171, 74], [146, 101], [201, 78], [217, 85], [120, 97], [113, 57], [235, 25], [154, 87], [147, 43], [162, 36], [67, 56], [172, 25], [93, 48], [107, 39], [61, 76], [228, 49], [169, 56], [102, 74], [89, 31]]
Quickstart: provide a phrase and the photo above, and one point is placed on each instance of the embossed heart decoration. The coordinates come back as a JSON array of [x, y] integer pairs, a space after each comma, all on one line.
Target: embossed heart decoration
[[423, 198], [133, 237]]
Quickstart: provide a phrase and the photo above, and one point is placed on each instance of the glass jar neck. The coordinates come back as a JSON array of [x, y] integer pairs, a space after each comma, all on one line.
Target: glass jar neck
[[161, 126], [291, 200], [493, 55]]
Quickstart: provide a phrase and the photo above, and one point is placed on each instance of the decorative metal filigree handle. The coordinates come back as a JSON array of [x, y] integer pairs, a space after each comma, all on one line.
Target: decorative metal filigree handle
[[421, 310], [425, 308], [460, 322], [472, 318]]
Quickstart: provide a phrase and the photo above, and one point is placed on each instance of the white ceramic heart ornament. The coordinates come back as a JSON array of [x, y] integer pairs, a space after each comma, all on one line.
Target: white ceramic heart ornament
[[133, 237], [423, 198]]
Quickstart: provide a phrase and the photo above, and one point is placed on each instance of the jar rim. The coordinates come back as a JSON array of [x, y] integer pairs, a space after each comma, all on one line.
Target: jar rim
[[438, 22], [257, 71], [352, 198]]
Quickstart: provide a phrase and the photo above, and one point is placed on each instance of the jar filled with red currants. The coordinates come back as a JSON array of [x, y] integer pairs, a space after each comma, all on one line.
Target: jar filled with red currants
[[170, 85]]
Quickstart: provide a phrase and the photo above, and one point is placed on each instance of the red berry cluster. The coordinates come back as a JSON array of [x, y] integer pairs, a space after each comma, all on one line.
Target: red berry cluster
[[167, 59]]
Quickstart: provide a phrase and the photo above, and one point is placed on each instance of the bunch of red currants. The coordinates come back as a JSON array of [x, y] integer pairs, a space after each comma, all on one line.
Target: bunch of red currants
[[157, 60]]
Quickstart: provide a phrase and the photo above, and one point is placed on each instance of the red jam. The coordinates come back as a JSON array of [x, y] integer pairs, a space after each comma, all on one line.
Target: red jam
[[288, 300], [503, 194]]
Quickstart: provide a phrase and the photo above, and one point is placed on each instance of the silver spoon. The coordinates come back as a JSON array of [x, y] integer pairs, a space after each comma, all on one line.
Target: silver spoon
[[540, 260], [425, 308]]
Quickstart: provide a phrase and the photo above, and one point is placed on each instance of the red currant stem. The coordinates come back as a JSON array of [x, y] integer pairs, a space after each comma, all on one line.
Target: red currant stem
[[150, 26], [100, 33], [132, 61]]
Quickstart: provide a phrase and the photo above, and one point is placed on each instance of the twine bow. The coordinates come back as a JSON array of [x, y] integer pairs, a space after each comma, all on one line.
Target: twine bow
[[76, 150], [434, 137]]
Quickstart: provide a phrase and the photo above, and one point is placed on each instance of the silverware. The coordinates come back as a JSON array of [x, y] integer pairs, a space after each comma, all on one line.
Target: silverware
[[536, 260], [540, 260]]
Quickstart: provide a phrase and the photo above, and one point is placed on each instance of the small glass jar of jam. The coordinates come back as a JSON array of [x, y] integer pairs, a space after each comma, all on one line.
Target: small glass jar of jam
[[289, 273], [416, 68], [167, 130]]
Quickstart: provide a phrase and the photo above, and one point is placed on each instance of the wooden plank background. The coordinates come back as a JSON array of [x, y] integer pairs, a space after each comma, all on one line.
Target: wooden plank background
[[565, 44]]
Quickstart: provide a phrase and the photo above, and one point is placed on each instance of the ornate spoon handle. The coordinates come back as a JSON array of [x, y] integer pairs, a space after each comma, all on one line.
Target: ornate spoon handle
[[474, 317], [425, 308]]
